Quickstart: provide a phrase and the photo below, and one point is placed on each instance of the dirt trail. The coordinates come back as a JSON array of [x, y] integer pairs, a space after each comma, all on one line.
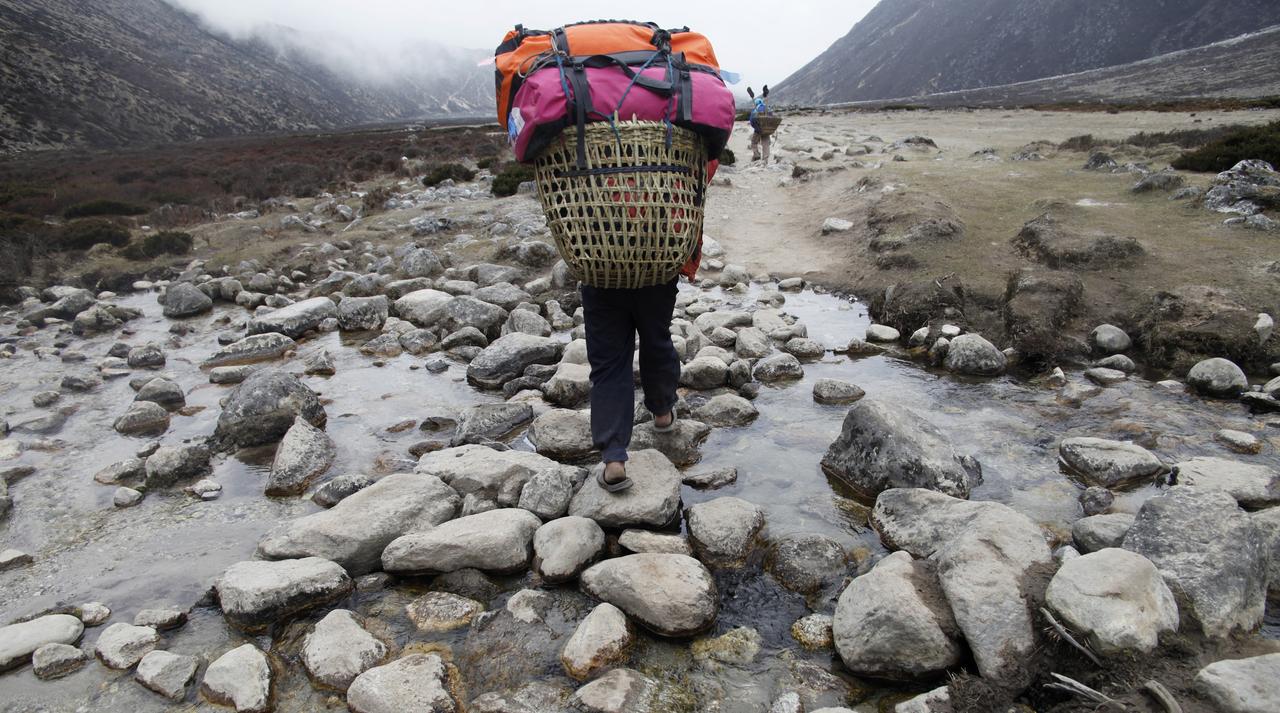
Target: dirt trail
[[771, 223]]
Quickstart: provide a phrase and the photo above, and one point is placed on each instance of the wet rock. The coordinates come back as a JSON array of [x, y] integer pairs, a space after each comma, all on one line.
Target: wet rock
[[490, 422], [339, 648], [1239, 441], [230, 374], [143, 418], [893, 622], [240, 678], [526, 322], [936, 701], [777, 368], [726, 410], [1048, 241], [363, 313], [163, 392], [1116, 599], [1095, 500], [167, 674], [1110, 464], [52, 661], [971, 354], [600, 641], [804, 349], [395, 505], [296, 319], [1248, 685], [704, 373], [120, 646], [621, 690], [95, 320], [185, 300], [488, 473], [80, 383], [711, 479], [438, 612], [495, 541], [1218, 377], [304, 453], [341, 487], [160, 619], [1105, 377], [814, 632], [19, 641], [651, 502], [1253, 486], [882, 333], [257, 593], [1099, 532], [562, 434], [564, 547], [570, 386], [1117, 362], [836, 392], [415, 682], [171, 465], [93, 613], [671, 595], [787, 703], [424, 308], [647, 541], [264, 408], [806, 563], [883, 446], [509, 356], [1210, 553], [722, 530]]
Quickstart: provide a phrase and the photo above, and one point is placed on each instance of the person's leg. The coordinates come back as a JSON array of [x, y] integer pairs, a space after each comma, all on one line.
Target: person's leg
[[755, 146], [659, 363], [610, 349], [764, 147]]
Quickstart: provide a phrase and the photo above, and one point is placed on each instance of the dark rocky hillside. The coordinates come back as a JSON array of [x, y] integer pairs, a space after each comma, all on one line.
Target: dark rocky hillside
[[906, 48], [108, 73]]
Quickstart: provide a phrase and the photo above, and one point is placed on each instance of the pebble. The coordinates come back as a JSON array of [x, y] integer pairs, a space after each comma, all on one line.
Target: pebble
[[126, 497], [813, 632]]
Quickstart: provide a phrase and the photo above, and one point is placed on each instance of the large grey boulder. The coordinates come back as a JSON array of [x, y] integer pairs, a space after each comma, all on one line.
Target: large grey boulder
[[778, 368], [421, 262], [304, 453], [893, 622], [549, 492], [1109, 339], [726, 410], [296, 319], [493, 541], [1212, 555], [681, 446], [972, 354], [1099, 532], [883, 446], [171, 465], [671, 595], [723, 530], [466, 311], [508, 357], [562, 434], [704, 373], [421, 683], [490, 474], [185, 300], [652, 502], [1252, 485], [490, 422], [1116, 599], [240, 678], [339, 648], [1249, 685], [1268, 521], [1218, 377], [363, 313], [395, 505], [424, 308], [564, 547], [257, 593], [19, 641], [806, 563], [263, 408], [601, 640], [1110, 464], [570, 386]]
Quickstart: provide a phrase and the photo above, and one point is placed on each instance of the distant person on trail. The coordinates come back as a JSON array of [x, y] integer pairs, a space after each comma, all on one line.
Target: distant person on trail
[[759, 141]]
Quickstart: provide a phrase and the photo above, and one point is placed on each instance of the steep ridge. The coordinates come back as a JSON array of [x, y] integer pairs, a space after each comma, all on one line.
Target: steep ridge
[[907, 48], [106, 73]]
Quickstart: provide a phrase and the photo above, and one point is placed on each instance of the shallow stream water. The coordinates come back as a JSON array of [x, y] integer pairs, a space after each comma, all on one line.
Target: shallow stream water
[[168, 550]]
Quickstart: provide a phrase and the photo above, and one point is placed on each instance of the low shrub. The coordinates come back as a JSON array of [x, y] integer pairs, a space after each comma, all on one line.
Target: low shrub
[[1084, 142], [1186, 138], [22, 239], [441, 173], [89, 209], [508, 180], [1253, 142], [167, 242], [84, 234]]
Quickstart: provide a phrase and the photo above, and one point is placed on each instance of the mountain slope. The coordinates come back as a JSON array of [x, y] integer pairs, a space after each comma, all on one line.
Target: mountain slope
[[107, 73], [906, 48]]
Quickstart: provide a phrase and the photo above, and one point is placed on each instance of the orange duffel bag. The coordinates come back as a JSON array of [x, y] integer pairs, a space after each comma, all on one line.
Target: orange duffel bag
[[522, 48]]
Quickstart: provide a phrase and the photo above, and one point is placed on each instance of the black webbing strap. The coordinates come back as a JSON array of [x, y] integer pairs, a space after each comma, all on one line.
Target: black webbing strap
[[686, 96]]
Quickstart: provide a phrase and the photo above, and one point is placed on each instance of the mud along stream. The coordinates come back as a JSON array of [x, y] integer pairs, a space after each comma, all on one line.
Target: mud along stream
[[166, 551]]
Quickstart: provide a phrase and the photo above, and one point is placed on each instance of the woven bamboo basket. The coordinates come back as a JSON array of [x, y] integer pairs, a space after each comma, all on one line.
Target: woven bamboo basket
[[768, 124], [633, 217]]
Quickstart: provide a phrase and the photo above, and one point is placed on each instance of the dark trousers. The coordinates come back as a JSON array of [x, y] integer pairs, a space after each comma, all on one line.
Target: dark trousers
[[613, 318]]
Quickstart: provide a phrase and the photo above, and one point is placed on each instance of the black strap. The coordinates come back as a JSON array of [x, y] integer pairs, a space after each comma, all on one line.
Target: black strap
[[582, 107], [686, 96], [664, 88]]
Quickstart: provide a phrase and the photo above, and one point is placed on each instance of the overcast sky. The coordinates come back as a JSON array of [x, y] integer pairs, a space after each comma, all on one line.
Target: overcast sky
[[764, 42]]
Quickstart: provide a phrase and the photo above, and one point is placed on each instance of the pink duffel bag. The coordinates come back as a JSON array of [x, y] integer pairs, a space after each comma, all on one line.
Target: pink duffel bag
[[693, 98]]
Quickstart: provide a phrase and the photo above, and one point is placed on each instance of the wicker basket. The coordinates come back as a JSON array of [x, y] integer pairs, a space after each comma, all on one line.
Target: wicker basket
[[632, 218], [767, 124]]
